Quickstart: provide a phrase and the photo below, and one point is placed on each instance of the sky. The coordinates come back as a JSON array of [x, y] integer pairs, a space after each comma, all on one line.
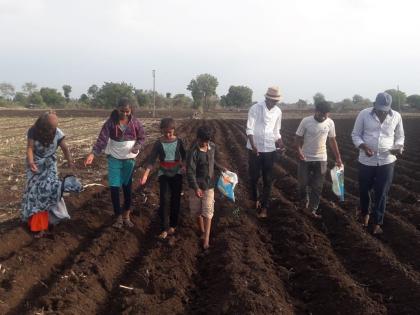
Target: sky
[[336, 47]]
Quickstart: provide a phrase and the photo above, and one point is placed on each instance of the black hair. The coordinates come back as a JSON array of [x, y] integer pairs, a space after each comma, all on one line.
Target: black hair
[[44, 132], [323, 107], [167, 123], [204, 133], [122, 102]]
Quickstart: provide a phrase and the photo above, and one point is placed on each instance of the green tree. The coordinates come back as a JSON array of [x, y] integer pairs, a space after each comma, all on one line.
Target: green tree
[[238, 96], [168, 95], [181, 100], [29, 87], [35, 98], [301, 104], [318, 97], [203, 87], [399, 98], [67, 91], [7, 90], [414, 101], [357, 99], [52, 97], [92, 91], [84, 99], [20, 98], [109, 94], [144, 98]]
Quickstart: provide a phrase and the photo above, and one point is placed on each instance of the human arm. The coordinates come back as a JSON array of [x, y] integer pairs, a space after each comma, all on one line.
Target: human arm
[[334, 147], [357, 135], [250, 126], [399, 138], [66, 152], [100, 144], [30, 155], [140, 137], [191, 173], [277, 136], [150, 162], [299, 145]]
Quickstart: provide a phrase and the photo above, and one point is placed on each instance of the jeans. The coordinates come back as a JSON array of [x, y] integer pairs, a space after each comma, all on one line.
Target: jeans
[[311, 175], [115, 197], [170, 199], [263, 163], [374, 185]]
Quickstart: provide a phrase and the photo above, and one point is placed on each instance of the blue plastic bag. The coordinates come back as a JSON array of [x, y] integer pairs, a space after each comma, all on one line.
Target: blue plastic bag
[[226, 184], [337, 177]]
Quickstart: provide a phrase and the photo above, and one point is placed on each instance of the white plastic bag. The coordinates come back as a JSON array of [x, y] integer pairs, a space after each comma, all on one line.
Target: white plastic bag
[[226, 184], [337, 177]]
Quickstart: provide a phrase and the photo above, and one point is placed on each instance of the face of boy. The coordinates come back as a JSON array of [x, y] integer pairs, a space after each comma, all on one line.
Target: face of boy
[[168, 133], [320, 117], [124, 111], [203, 143]]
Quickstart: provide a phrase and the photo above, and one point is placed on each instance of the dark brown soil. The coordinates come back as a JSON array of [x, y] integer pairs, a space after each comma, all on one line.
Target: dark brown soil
[[287, 264]]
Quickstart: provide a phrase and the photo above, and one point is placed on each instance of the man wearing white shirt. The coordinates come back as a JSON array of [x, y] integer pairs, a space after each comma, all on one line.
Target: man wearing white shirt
[[263, 132], [379, 134], [311, 138]]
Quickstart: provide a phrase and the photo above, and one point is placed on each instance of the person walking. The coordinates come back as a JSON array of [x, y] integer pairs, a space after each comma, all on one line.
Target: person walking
[[378, 133], [263, 133], [311, 139], [121, 137]]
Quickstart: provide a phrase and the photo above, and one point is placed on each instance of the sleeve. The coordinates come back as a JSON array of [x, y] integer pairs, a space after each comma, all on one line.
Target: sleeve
[[182, 150], [301, 129], [399, 136], [277, 128], [102, 140], [151, 159], [331, 132], [140, 135], [59, 135], [250, 124], [357, 133], [191, 169]]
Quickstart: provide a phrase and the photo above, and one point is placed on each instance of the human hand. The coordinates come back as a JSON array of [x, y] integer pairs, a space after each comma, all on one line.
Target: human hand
[[301, 156], [143, 180], [199, 193], [255, 150], [70, 164], [33, 167], [396, 151], [339, 163], [134, 150], [369, 152], [89, 159]]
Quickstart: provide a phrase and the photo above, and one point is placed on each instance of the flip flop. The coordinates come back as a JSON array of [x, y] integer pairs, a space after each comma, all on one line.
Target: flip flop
[[118, 224], [162, 236], [128, 223], [171, 231], [316, 215], [378, 231]]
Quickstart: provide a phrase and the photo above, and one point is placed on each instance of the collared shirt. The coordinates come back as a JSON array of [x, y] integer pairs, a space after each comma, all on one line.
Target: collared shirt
[[379, 137], [264, 124]]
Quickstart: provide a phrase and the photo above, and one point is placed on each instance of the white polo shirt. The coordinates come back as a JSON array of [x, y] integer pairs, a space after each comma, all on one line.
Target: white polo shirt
[[264, 125], [315, 136]]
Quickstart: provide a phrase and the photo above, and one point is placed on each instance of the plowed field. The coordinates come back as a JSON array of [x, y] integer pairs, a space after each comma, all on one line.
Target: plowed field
[[287, 264]]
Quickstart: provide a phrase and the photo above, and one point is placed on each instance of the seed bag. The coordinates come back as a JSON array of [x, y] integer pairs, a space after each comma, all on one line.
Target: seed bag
[[226, 184], [337, 177]]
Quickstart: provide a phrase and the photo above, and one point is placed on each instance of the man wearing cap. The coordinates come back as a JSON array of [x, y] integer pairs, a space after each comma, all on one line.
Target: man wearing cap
[[378, 133], [263, 132]]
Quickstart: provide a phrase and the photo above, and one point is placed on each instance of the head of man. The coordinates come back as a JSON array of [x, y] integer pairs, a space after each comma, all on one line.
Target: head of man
[[272, 97], [382, 105], [322, 110]]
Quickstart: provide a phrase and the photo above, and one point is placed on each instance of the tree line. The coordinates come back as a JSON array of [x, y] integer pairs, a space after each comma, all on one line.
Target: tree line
[[203, 97]]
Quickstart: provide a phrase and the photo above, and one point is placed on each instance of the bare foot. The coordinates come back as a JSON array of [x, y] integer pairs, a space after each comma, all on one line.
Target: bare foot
[[365, 220], [316, 215], [163, 235]]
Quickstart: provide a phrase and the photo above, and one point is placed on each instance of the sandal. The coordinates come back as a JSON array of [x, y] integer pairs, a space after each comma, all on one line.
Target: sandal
[[316, 215], [262, 214], [127, 222], [162, 236], [377, 230], [171, 231], [118, 224]]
